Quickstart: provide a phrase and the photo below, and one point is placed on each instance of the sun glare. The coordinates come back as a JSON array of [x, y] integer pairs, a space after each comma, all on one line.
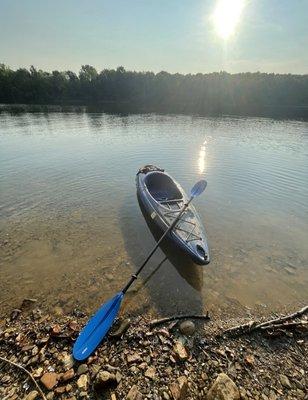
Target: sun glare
[[226, 16]]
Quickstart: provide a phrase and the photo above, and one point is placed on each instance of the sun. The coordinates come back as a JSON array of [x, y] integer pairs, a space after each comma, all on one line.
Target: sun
[[226, 16]]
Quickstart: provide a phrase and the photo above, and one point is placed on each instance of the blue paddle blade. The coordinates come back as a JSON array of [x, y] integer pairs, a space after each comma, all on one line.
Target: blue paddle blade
[[198, 188], [96, 329]]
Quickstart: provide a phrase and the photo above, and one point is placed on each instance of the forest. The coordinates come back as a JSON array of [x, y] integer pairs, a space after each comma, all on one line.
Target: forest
[[218, 93]]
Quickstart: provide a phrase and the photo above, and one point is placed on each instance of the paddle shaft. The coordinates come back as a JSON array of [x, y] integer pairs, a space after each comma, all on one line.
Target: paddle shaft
[[135, 275]]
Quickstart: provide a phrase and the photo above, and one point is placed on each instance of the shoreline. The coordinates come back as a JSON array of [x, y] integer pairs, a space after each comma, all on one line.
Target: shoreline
[[141, 361]]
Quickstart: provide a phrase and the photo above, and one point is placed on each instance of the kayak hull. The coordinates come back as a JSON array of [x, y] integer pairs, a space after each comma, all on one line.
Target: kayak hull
[[162, 198]]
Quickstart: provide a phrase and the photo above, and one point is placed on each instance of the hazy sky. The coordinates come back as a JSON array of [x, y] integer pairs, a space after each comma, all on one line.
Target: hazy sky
[[170, 35]]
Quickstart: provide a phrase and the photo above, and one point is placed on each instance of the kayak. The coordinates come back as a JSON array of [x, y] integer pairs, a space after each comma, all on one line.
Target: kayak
[[162, 199]]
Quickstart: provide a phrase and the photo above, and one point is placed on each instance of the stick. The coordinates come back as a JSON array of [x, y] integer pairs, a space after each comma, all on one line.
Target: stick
[[27, 372], [297, 314], [301, 324], [253, 326], [167, 319]]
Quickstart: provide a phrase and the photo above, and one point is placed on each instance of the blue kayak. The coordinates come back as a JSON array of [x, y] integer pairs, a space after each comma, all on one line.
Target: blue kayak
[[162, 199]]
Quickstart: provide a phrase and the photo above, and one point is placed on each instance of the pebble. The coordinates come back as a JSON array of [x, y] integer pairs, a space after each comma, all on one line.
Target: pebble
[[131, 358], [223, 389], [82, 369], [179, 388], [134, 394], [250, 360], [68, 375], [67, 361], [187, 328], [284, 380], [150, 373], [121, 329], [32, 395], [38, 372], [105, 378], [82, 382], [180, 351], [49, 380]]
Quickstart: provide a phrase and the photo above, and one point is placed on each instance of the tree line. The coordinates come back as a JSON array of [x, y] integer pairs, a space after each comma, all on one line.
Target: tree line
[[204, 94]]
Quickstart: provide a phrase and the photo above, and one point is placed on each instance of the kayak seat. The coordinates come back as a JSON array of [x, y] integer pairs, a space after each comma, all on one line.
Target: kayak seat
[[161, 187]]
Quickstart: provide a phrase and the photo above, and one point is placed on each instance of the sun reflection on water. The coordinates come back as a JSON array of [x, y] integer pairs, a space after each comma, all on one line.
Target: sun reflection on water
[[202, 158]]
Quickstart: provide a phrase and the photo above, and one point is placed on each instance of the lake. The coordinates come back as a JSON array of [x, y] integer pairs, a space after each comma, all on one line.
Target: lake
[[72, 231]]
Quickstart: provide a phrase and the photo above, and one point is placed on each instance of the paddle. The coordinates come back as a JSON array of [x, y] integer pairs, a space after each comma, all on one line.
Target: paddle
[[98, 326]]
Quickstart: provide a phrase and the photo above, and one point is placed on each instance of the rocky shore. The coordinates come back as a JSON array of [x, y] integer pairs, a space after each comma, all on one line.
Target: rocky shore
[[174, 360]]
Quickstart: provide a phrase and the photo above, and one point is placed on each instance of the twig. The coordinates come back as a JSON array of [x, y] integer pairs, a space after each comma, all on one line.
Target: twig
[[301, 324], [253, 326], [174, 317], [27, 372], [297, 314]]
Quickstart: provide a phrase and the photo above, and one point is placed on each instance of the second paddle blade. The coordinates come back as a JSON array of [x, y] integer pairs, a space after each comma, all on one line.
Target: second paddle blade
[[97, 327]]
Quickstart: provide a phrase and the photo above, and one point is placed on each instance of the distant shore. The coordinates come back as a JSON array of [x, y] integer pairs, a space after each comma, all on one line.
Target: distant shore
[[276, 112], [119, 90]]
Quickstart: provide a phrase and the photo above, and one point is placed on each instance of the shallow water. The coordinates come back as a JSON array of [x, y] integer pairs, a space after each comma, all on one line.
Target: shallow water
[[72, 231]]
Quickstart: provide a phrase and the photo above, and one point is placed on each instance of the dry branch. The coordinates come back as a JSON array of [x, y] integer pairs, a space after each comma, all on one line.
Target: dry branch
[[177, 317], [253, 326]]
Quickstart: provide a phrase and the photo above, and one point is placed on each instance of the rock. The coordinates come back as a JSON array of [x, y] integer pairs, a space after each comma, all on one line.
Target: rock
[[113, 396], [60, 389], [131, 358], [134, 394], [118, 377], [121, 329], [49, 380], [94, 370], [104, 378], [82, 369], [58, 311], [166, 396], [83, 381], [188, 328], [32, 395], [284, 380], [26, 303], [6, 379], [15, 314], [55, 330], [38, 372], [150, 373], [68, 375], [67, 361], [178, 388], [73, 326], [250, 360], [68, 387], [223, 389], [180, 351]]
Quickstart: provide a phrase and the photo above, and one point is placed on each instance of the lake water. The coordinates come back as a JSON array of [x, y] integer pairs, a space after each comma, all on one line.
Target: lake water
[[72, 231]]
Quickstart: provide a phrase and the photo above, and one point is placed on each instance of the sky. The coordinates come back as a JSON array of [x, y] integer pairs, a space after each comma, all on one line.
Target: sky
[[185, 36]]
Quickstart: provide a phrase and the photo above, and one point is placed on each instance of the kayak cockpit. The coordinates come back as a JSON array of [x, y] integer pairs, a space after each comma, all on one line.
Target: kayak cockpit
[[162, 188]]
